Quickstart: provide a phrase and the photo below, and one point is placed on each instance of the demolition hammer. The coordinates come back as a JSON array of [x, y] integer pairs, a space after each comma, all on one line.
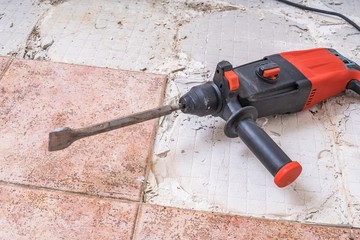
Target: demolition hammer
[[282, 83]]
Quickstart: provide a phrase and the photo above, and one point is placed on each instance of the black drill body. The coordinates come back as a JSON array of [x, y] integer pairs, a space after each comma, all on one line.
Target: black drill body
[[287, 94]]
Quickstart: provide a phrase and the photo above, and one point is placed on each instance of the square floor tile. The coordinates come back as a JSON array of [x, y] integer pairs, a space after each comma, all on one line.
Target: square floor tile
[[156, 222], [37, 214], [38, 97]]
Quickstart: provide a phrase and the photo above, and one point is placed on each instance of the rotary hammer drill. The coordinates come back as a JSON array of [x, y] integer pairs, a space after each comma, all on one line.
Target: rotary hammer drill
[[282, 83]]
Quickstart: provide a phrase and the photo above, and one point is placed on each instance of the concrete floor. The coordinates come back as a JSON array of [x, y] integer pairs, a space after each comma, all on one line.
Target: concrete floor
[[194, 165]]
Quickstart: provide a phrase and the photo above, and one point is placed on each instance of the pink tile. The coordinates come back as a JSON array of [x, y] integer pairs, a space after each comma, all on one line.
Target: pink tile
[[156, 222], [36, 214], [41, 96], [355, 234]]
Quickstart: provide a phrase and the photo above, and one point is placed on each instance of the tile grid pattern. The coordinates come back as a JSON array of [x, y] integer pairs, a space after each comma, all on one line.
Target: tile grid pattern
[[17, 19], [123, 36], [38, 209], [222, 171]]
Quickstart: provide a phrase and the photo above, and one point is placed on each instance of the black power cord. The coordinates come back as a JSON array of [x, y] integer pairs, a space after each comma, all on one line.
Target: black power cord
[[321, 11]]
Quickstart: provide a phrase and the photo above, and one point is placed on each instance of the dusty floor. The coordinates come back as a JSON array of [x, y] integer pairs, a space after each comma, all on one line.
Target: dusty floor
[[194, 165]]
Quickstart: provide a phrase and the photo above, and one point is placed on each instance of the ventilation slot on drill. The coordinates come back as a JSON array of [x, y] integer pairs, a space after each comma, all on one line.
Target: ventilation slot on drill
[[311, 97]]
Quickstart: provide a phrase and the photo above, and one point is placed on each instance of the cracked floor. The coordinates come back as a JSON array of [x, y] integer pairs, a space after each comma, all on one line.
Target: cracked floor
[[193, 165]]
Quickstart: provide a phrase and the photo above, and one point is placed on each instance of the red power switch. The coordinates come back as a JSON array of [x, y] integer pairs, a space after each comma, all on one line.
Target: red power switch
[[232, 79], [271, 73]]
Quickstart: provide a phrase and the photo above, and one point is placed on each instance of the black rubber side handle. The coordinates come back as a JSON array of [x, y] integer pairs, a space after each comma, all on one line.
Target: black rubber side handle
[[268, 152], [354, 85]]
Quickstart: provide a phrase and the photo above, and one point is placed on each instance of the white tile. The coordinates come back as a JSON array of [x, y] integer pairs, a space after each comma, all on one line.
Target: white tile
[[256, 192], [256, 207]]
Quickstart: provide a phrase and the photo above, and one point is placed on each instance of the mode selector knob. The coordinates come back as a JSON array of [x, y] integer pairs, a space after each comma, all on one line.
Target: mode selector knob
[[268, 72]]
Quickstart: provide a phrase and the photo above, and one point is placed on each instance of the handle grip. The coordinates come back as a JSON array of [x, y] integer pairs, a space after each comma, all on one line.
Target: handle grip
[[354, 85], [268, 152]]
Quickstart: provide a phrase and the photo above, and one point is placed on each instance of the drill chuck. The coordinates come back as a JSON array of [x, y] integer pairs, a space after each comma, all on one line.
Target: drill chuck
[[201, 100]]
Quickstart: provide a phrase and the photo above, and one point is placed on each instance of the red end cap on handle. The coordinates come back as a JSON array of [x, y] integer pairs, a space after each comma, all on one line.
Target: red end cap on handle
[[287, 174]]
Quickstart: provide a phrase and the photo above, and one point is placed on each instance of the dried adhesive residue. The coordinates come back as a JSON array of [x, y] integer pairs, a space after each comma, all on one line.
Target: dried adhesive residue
[[196, 166], [180, 197], [52, 2], [208, 7]]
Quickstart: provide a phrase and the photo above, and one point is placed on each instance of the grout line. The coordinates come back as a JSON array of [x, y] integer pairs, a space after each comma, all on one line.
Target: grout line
[[143, 186], [250, 218], [54, 190], [7, 66], [149, 162], [142, 189], [137, 218]]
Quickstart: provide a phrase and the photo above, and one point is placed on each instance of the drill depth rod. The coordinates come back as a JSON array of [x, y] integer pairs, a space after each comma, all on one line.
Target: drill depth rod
[[61, 138]]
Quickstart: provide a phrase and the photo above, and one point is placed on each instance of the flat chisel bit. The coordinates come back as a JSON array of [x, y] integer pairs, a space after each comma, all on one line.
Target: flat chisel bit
[[61, 138]]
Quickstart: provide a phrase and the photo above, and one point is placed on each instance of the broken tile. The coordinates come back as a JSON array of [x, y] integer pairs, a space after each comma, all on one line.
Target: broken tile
[[156, 222], [37, 214], [41, 96]]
